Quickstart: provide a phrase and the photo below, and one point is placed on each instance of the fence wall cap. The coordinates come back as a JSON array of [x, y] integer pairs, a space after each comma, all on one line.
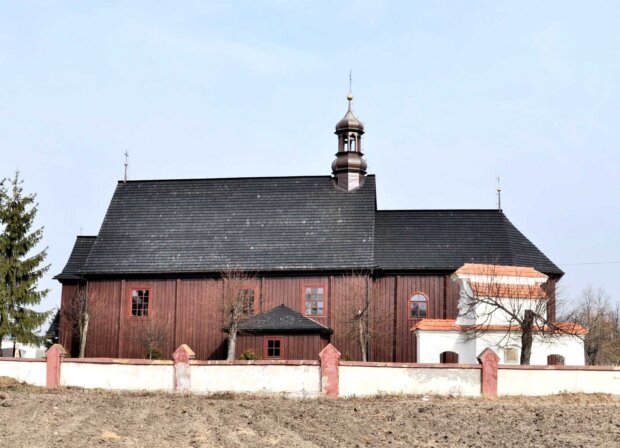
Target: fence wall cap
[[56, 350], [183, 354], [488, 355], [329, 350]]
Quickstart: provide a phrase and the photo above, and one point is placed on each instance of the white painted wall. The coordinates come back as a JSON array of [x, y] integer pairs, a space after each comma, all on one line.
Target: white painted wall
[[483, 314], [367, 381], [154, 377], [473, 312], [23, 350], [304, 381], [33, 372], [555, 381], [430, 344], [290, 380]]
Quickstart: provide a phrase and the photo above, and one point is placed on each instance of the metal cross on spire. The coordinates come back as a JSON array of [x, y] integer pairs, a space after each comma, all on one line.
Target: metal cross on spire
[[126, 164], [350, 82], [350, 95], [499, 195]]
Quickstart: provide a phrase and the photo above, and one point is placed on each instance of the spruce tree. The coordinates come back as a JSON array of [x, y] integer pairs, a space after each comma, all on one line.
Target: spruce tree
[[20, 265]]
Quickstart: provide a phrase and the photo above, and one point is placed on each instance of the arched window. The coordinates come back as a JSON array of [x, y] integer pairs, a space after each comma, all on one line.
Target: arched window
[[449, 358], [352, 143], [555, 360], [418, 306]]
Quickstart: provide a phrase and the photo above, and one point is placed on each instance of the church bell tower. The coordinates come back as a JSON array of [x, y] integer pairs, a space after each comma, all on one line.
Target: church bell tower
[[349, 168]]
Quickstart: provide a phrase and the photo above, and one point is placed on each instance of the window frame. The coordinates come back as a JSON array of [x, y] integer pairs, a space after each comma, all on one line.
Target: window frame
[[305, 286], [149, 305], [256, 306], [517, 357], [560, 360], [266, 340], [410, 301]]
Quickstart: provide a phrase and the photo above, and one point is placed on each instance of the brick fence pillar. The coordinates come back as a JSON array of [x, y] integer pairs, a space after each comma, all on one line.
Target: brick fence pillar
[[54, 360], [182, 379], [330, 359], [489, 360]]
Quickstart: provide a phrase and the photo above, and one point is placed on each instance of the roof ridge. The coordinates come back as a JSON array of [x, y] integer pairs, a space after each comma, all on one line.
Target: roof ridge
[[439, 210], [193, 179]]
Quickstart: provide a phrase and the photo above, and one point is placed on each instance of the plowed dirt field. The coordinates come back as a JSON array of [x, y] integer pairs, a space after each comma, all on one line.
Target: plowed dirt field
[[33, 417]]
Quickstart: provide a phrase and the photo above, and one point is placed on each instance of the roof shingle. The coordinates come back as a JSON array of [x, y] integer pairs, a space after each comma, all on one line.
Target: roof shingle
[[282, 319], [209, 225], [79, 253], [287, 224], [444, 240]]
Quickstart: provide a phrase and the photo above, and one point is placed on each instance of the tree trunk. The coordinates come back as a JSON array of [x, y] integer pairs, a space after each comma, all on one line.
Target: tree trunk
[[14, 346], [527, 337], [232, 342], [362, 338], [83, 335]]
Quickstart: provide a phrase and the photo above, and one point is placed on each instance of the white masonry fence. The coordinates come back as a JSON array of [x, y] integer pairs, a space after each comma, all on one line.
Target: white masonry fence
[[325, 377]]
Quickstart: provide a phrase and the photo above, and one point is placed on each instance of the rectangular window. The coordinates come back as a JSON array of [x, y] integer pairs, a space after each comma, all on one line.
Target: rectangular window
[[511, 355], [247, 295], [140, 302], [314, 300], [274, 348]]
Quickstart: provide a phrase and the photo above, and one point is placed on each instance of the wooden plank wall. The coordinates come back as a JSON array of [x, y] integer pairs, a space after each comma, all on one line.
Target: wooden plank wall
[[103, 333], [189, 311], [299, 346], [66, 336], [199, 318], [276, 291], [443, 299], [382, 320]]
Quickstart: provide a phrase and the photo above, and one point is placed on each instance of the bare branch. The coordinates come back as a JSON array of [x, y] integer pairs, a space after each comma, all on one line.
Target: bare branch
[[80, 312], [237, 303]]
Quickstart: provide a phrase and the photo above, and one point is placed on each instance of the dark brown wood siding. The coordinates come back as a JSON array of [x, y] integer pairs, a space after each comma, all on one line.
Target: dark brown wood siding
[[382, 320], [189, 312], [289, 291], [134, 330], [442, 303], [103, 333], [66, 335], [199, 318], [298, 346]]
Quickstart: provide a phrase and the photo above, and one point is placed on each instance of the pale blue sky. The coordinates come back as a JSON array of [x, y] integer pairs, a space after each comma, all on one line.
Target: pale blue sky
[[452, 94]]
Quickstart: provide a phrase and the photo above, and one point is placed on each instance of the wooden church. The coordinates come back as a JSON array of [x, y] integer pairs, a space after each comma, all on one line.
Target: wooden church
[[159, 256]]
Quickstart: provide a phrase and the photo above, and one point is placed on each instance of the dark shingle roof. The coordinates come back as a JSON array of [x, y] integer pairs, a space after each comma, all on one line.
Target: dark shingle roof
[[287, 224], [78, 256], [446, 239], [208, 225], [282, 319]]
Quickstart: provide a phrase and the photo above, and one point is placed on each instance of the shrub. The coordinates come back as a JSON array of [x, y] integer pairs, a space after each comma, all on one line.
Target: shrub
[[154, 353], [249, 355]]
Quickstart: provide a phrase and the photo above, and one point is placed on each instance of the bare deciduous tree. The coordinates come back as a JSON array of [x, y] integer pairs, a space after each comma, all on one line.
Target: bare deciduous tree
[[153, 334], [234, 304], [521, 307], [595, 311], [356, 296], [80, 312]]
